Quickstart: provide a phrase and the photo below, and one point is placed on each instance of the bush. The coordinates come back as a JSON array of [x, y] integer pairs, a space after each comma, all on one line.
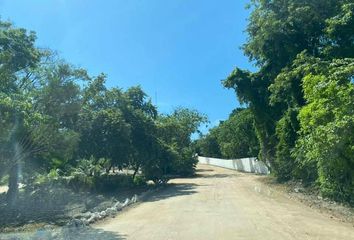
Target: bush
[[185, 163], [327, 124], [139, 181], [79, 181], [107, 182]]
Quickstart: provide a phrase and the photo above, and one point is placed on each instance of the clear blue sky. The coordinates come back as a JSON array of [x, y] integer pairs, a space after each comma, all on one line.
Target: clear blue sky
[[179, 50]]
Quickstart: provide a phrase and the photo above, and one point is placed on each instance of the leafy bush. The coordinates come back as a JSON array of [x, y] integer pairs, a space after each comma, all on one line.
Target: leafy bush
[[139, 181], [327, 124], [107, 182], [185, 163]]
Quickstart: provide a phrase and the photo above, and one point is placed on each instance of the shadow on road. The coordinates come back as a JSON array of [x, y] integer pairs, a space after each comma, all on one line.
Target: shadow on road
[[204, 170], [174, 190], [206, 173], [77, 233], [218, 175]]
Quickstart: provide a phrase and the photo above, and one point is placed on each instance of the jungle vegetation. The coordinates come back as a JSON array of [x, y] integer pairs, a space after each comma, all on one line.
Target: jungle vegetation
[[300, 100], [59, 123]]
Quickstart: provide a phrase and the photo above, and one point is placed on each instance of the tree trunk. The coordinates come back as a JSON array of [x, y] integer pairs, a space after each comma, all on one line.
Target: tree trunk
[[12, 192], [136, 170]]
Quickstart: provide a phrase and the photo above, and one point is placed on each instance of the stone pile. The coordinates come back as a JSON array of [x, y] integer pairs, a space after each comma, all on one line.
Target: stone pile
[[91, 217]]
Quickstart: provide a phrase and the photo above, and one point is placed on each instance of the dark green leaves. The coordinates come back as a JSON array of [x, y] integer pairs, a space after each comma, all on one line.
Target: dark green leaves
[[301, 96]]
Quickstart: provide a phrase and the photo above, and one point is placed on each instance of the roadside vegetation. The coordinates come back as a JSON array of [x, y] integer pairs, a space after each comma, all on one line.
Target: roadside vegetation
[[65, 135], [233, 138], [300, 100]]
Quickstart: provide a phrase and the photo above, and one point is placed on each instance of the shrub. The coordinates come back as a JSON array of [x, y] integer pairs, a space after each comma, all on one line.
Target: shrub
[[327, 124], [107, 182], [185, 163], [139, 181]]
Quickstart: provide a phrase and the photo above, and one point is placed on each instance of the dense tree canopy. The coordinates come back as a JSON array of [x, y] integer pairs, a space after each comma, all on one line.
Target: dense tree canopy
[[233, 138], [55, 118], [301, 94]]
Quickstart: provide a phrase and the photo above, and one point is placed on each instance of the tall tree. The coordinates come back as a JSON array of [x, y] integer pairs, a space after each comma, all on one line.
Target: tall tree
[[18, 56], [278, 31]]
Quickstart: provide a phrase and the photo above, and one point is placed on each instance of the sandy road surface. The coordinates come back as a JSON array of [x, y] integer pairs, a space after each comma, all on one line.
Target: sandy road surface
[[223, 204]]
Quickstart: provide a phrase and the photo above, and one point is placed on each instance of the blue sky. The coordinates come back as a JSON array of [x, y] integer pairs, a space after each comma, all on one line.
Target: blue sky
[[177, 50]]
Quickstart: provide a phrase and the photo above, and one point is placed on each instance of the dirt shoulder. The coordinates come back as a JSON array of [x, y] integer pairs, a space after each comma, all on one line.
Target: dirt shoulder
[[76, 205], [311, 198]]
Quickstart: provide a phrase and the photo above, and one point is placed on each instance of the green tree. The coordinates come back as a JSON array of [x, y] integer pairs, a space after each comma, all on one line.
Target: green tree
[[104, 130], [279, 33], [208, 145], [176, 131], [237, 137], [141, 115], [18, 56]]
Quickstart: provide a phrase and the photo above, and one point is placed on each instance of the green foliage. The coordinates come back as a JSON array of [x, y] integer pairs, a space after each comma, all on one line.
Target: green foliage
[[55, 116], [175, 130], [286, 130], [237, 137], [252, 89], [17, 56], [339, 32], [301, 94], [326, 123], [107, 183], [279, 30], [208, 145], [15, 109], [185, 163], [233, 138], [139, 181]]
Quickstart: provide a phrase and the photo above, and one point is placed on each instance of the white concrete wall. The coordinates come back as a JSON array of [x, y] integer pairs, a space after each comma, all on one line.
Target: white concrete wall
[[251, 165]]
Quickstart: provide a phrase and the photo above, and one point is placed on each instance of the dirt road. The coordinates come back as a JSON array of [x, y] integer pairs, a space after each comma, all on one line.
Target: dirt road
[[224, 204]]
